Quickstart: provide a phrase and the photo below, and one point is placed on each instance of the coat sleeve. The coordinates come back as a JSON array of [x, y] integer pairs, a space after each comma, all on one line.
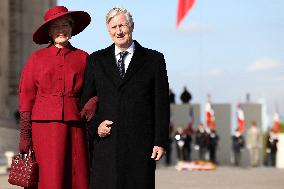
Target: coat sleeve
[[162, 104], [89, 86], [27, 87], [89, 90]]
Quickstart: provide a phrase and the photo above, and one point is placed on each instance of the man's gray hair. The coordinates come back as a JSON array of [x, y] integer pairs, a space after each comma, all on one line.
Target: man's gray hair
[[118, 10]]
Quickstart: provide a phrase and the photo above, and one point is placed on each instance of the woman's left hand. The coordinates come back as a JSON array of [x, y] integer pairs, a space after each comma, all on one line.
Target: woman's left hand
[[89, 109]]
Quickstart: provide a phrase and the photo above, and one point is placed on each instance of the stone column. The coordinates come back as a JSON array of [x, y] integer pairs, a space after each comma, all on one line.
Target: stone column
[[18, 20]]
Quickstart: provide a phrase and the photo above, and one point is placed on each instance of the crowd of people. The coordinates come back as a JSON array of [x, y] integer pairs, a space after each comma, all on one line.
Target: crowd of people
[[254, 142], [205, 141]]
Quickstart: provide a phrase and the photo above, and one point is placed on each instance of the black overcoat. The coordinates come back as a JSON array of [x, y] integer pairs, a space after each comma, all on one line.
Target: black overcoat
[[138, 105]]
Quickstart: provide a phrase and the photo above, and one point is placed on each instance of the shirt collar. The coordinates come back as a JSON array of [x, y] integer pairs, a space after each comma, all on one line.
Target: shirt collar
[[130, 49], [60, 51]]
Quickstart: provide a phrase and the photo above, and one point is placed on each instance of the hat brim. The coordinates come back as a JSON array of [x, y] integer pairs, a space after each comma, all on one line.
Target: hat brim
[[81, 21]]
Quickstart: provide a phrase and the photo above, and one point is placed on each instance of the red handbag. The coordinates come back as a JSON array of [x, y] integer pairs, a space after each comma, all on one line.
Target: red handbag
[[24, 170]]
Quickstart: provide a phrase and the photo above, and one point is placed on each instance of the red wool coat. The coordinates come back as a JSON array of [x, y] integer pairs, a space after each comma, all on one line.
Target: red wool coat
[[51, 83]]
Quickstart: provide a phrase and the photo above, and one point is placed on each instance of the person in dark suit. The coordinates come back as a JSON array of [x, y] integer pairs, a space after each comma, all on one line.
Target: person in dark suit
[[168, 159], [213, 140], [238, 143], [130, 129], [201, 141], [172, 97], [185, 97], [271, 147]]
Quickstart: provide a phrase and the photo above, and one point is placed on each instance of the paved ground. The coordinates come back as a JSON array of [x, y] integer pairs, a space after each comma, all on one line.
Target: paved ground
[[222, 178]]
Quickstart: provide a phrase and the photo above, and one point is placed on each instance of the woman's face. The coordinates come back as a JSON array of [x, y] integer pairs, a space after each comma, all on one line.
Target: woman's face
[[60, 30]]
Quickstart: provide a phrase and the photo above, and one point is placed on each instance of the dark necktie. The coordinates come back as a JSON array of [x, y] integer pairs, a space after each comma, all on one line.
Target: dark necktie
[[120, 63]]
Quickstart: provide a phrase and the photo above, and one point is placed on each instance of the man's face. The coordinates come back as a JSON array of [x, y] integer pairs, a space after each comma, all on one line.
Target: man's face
[[60, 31], [120, 31]]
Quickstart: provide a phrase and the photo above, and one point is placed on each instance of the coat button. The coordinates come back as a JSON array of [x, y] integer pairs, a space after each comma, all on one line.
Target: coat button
[[60, 78]]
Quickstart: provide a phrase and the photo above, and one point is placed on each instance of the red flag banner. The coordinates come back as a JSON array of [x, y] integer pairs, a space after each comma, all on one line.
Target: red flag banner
[[210, 117], [241, 119], [183, 7], [276, 122]]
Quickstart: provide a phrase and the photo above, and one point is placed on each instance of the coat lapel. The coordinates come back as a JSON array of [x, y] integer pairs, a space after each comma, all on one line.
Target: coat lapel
[[136, 63], [109, 65], [110, 68]]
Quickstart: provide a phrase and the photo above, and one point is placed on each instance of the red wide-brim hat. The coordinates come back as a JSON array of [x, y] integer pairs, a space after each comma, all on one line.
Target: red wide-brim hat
[[81, 21]]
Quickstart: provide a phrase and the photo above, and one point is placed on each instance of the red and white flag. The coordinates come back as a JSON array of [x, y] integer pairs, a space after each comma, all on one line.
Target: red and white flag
[[241, 119], [210, 117], [276, 121], [183, 7]]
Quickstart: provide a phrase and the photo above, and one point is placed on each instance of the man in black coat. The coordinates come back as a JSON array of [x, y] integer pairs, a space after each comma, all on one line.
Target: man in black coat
[[129, 131], [213, 140], [185, 97], [201, 141], [271, 147], [238, 143]]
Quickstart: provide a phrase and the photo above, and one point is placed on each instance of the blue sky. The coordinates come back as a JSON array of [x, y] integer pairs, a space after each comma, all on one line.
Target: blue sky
[[223, 47]]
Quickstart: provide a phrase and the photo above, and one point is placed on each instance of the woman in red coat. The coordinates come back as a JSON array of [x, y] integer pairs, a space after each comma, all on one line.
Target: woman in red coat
[[49, 92]]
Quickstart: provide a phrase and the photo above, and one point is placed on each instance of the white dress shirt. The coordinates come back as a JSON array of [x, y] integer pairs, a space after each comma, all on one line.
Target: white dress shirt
[[128, 57]]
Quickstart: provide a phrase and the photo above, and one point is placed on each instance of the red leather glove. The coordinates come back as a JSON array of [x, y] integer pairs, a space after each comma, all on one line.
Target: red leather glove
[[89, 109], [25, 132]]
